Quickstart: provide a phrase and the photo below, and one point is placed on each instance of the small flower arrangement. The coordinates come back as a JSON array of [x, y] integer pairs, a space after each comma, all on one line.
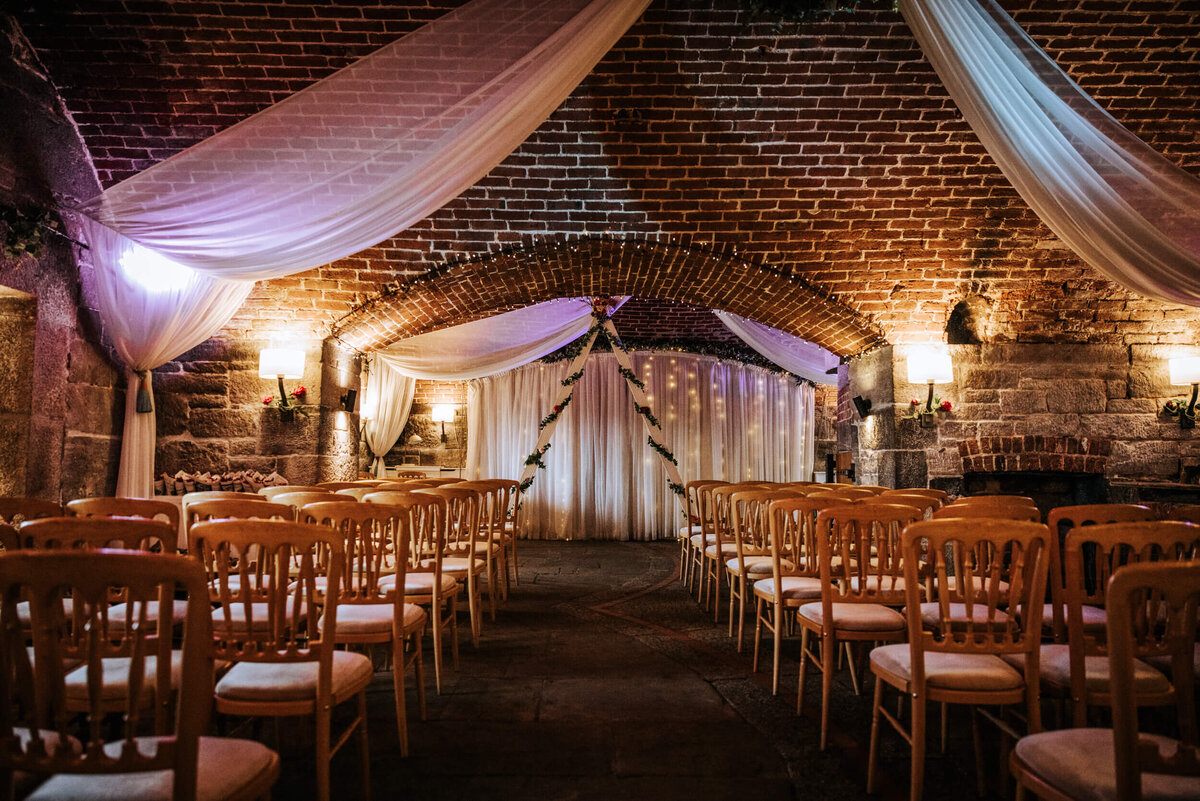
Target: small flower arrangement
[[288, 404], [916, 407]]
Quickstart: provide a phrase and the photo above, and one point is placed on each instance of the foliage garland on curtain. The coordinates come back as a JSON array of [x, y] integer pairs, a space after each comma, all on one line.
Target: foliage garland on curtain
[[601, 328]]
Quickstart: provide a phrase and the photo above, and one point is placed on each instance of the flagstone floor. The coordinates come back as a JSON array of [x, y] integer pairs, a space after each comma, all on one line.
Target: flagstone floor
[[602, 679]]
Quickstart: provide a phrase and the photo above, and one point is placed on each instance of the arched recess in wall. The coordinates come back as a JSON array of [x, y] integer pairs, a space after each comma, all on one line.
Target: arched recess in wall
[[701, 275]]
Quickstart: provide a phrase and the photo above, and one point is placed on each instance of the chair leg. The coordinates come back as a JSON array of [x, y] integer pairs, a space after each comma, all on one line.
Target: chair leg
[[419, 662], [364, 745], [516, 573], [322, 736], [474, 601], [873, 752], [828, 649], [917, 779], [853, 668], [777, 630], [454, 630], [803, 666], [758, 621], [398, 671], [741, 610], [732, 593], [437, 645]]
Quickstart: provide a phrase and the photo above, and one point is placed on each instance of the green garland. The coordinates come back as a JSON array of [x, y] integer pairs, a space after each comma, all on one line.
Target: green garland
[[571, 379], [644, 411], [558, 409], [536, 457], [632, 378], [675, 488], [662, 451]]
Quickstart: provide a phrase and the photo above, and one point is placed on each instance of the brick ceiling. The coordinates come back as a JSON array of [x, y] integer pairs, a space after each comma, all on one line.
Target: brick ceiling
[[828, 150]]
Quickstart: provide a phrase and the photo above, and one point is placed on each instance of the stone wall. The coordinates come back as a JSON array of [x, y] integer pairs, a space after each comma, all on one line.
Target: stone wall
[[1109, 395], [67, 392]]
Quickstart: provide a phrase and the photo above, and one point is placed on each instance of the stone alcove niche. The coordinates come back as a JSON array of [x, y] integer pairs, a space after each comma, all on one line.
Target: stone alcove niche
[[18, 322]]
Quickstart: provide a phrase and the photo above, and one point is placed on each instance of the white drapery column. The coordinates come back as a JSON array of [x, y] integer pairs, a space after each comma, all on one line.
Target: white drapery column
[[385, 406], [1117, 203], [721, 419]]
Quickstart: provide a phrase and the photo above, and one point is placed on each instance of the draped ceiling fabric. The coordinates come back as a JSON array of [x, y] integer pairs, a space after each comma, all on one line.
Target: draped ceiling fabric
[[722, 419], [340, 166], [494, 344], [797, 356], [385, 407], [1118, 204]]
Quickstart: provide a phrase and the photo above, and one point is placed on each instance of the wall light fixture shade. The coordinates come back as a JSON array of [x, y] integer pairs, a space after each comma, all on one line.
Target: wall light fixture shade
[[286, 362], [1185, 370], [930, 366], [443, 413]]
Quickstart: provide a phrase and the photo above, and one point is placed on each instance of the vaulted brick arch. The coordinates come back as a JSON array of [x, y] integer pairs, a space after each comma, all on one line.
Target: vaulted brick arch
[[458, 292]]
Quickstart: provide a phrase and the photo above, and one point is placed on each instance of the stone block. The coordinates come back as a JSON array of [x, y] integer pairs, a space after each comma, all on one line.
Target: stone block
[[95, 410], [203, 401], [1000, 428], [1124, 405], [978, 411], [279, 438], [224, 423], [990, 377], [89, 465], [244, 387], [14, 433], [1014, 402], [1119, 426], [911, 470], [1145, 459], [299, 469], [1049, 424], [43, 474], [189, 383], [981, 396], [173, 455], [1116, 389], [943, 462], [171, 412], [1080, 396]]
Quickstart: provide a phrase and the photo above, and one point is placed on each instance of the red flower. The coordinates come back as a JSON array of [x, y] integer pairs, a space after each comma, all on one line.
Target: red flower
[[557, 408], [298, 392], [946, 406], [914, 402], [267, 399]]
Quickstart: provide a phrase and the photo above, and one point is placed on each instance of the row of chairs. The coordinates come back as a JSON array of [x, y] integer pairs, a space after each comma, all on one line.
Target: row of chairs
[[271, 580], [901, 570]]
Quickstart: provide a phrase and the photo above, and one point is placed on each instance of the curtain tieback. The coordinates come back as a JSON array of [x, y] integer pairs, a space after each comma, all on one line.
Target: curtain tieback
[[145, 402]]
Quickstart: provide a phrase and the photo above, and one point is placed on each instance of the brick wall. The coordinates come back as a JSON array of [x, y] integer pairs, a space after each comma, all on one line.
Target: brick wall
[[829, 149]]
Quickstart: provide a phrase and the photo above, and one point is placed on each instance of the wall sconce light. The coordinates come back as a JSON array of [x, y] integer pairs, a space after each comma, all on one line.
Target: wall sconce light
[[348, 399], [443, 413], [1184, 370], [281, 363], [862, 405], [929, 366]]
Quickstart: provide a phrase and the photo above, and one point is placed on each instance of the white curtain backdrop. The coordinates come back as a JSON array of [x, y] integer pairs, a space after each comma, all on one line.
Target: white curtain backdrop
[[494, 344], [1120, 205], [385, 406], [338, 167], [796, 355], [721, 419]]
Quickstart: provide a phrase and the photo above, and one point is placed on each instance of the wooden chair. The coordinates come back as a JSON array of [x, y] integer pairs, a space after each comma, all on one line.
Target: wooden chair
[[411, 474], [460, 529], [298, 500], [957, 636], [875, 489], [1152, 609], [1061, 520], [693, 535], [193, 498], [701, 503], [988, 511], [441, 482], [376, 540], [508, 507], [722, 548], [847, 493], [925, 504], [941, 495], [862, 578], [334, 486], [795, 571], [1078, 668], [128, 507], [357, 493], [1189, 513], [993, 499], [244, 508], [287, 667], [490, 541], [424, 582], [751, 531], [270, 492], [174, 761], [15, 511]]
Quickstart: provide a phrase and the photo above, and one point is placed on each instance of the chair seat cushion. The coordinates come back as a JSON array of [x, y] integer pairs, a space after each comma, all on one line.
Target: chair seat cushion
[[794, 588], [418, 584], [972, 672], [856, 617], [1055, 667], [687, 531], [293, 681], [703, 540], [755, 566], [456, 565], [1080, 763], [259, 618], [23, 783], [25, 616], [931, 615], [117, 614], [114, 681], [227, 768], [364, 619], [875, 583], [728, 549], [1094, 619], [1163, 663]]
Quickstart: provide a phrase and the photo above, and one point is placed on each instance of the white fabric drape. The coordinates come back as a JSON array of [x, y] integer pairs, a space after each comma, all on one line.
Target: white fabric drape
[[796, 355], [494, 344], [372, 149], [340, 166], [1119, 205], [721, 419], [151, 322], [385, 406]]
